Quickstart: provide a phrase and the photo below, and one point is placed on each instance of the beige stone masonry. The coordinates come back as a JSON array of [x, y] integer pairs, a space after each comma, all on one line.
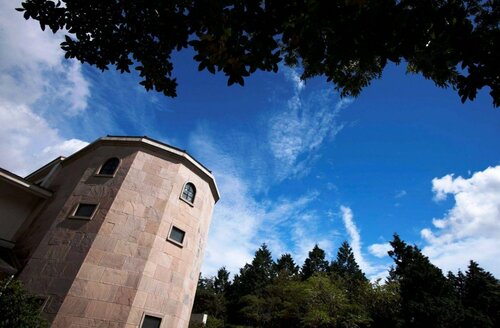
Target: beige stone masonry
[[111, 270]]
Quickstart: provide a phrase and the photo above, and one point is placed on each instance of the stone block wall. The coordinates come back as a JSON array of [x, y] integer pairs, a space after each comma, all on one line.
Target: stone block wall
[[114, 269]]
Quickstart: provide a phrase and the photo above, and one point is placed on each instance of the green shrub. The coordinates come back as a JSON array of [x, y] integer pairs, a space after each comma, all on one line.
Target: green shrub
[[18, 308]]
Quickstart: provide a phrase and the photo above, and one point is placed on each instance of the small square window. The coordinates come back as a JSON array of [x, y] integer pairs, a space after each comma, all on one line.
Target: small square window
[[151, 322], [176, 235], [84, 211]]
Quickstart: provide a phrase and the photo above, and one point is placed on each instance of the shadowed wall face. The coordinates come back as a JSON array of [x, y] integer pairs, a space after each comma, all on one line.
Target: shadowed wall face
[[55, 246]]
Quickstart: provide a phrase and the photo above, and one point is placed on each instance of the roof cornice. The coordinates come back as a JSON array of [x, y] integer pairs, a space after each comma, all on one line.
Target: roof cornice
[[24, 184], [154, 145]]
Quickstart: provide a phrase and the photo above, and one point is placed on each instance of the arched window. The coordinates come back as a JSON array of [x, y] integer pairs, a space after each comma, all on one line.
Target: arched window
[[189, 192], [109, 167]]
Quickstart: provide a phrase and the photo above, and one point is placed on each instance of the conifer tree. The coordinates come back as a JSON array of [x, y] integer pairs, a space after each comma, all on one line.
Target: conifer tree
[[427, 297], [479, 292], [221, 281], [285, 267], [252, 280], [259, 273], [346, 266], [314, 263]]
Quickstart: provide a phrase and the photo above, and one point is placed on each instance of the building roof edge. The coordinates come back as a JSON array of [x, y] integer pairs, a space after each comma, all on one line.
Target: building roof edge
[[24, 184], [150, 142]]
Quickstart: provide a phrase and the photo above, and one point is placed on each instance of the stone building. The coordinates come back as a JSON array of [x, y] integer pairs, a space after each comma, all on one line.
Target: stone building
[[111, 236]]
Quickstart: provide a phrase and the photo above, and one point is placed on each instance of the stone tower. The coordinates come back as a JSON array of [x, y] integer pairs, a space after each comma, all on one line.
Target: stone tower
[[120, 241]]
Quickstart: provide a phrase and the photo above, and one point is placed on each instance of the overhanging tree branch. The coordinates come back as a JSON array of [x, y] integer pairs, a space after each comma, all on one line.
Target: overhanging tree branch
[[455, 43]]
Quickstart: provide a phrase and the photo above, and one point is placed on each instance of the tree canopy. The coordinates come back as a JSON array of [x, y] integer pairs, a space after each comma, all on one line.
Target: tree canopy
[[455, 43], [416, 294]]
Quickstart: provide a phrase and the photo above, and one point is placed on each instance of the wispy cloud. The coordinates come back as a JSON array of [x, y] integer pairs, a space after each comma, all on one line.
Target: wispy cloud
[[355, 238], [471, 228], [243, 220], [308, 230], [245, 217], [36, 83], [371, 270], [400, 194], [298, 130]]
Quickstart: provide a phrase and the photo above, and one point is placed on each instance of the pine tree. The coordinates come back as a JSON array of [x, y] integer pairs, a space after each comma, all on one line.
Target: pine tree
[[346, 266], [286, 268], [314, 263], [480, 296], [221, 281], [259, 273], [427, 297]]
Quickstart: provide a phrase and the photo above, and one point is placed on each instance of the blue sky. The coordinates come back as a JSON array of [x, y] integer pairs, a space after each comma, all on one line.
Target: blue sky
[[296, 165]]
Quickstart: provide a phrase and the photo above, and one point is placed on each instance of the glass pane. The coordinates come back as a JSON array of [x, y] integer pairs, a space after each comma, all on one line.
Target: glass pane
[[85, 210], [177, 235], [110, 166], [151, 322], [188, 192]]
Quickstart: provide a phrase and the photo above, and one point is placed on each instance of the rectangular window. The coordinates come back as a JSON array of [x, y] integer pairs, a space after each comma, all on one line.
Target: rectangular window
[[151, 322], [84, 211], [176, 235]]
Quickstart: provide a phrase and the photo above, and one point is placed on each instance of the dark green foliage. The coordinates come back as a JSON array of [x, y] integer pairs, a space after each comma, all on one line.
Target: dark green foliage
[[254, 277], [384, 305], [212, 322], [324, 302], [221, 281], [479, 293], [286, 268], [415, 295], [211, 295], [427, 297], [346, 266], [349, 42], [252, 280], [347, 271], [19, 309], [314, 263]]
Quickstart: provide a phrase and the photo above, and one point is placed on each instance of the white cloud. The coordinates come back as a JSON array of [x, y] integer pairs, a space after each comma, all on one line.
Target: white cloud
[[293, 75], [400, 194], [300, 129], [471, 229], [372, 271], [36, 84], [307, 231], [355, 238], [64, 148], [379, 250], [28, 141], [242, 222]]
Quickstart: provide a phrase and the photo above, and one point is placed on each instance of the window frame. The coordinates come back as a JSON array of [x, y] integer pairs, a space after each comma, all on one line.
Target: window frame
[[79, 217], [175, 242], [45, 300], [104, 175], [194, 193], [151, 314]]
